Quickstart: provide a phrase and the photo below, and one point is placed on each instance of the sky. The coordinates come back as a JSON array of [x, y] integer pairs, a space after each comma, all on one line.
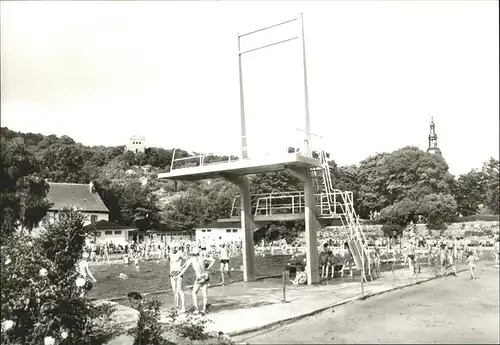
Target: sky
[[377, 72]]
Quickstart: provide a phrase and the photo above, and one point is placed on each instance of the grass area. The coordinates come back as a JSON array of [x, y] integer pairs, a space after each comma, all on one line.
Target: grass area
[[153, 275]]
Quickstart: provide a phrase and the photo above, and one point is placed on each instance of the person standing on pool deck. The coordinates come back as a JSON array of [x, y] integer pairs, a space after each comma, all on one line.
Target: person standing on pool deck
[[224, 263], [83, 270], [175, 260], [200, 267], [471, 261], [410, 250]]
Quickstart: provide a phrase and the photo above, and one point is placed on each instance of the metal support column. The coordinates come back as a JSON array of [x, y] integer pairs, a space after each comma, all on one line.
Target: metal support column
[[308, 145], [311, 225], [247, 226]]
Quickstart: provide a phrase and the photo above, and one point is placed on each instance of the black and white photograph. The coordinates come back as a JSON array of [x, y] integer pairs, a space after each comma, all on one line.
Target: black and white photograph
[[230, 172]]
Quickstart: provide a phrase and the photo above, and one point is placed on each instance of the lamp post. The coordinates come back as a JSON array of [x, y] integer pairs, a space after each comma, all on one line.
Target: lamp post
[[92, 220]]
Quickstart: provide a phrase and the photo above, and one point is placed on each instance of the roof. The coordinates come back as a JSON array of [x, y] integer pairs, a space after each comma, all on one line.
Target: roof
[[107, 225], [74, 194]]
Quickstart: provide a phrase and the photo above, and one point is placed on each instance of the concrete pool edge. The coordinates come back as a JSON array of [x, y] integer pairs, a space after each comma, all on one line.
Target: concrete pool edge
[[357, 297]]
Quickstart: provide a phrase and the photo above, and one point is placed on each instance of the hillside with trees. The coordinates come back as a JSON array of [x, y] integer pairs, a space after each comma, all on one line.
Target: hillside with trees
[[400, 185]]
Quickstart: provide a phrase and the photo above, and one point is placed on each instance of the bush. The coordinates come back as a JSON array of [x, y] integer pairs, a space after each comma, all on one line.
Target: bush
[[41, 302], [148, 329], [191, 327]]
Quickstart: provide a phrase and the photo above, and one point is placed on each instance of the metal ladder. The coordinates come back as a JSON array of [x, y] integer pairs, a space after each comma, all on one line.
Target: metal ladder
[[349, 218]]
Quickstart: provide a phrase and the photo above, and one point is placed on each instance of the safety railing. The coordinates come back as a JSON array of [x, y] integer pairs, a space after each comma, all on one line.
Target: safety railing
[[204, 159], [296, 142], [292, 203]]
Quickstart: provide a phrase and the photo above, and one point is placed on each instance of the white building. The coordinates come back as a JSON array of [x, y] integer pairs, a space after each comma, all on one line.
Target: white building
[[175, 236], [136, 144], [219, 232], [109, 232]]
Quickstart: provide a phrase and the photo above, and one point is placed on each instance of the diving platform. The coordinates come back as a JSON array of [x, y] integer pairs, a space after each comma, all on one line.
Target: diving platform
[[264, 220], [200, 170], [328, 205]]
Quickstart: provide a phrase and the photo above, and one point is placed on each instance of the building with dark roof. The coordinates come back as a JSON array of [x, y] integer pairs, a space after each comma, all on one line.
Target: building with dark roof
[[77, 195]]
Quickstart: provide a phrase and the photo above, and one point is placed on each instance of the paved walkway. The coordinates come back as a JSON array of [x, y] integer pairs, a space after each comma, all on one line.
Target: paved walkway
[[242, 307], [265, 307]]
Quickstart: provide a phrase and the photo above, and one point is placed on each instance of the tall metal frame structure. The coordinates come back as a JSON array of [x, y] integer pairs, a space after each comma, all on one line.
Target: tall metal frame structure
[[300, 36]]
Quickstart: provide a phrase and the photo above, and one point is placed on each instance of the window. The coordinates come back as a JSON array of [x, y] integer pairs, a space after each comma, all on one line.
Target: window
[[203, 230], [118, 232], [220, 237], [235, 230], [209, 230], [108, 232], [228, 230], [93, 219]]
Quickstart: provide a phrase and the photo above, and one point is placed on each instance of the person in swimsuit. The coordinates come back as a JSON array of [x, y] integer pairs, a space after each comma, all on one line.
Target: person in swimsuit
[[92, 251], [450, 249], [323, 259], [410, 250], [377, 260], [347, 259], [496, 252], [442, 255], [300, 278], [84, 272], [175, 260], [224, 262], [201, 268], [471, 262], [330, 263]]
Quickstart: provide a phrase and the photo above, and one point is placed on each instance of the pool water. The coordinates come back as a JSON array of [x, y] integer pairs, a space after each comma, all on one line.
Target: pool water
[[152, 276]]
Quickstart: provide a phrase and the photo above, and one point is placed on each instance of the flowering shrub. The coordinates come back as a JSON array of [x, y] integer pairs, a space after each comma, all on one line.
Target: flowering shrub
[[41, 299], [191, 327], [148, 329]]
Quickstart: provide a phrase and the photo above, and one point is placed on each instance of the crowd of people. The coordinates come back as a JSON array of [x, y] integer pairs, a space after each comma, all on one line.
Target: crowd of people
[[333, 250]]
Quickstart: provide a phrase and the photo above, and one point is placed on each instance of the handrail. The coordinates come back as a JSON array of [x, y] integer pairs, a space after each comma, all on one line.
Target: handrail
[[173, 160]]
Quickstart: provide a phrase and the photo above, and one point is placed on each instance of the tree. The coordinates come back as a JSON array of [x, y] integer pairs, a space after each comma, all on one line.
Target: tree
[[288, 230], [400, 213], [274, 182], [220, 195], [371, 184], [437, 209], [130, 202], [64, 162], [470, 192], [492, 197], [186, 211], [23, 192], [407, 173]]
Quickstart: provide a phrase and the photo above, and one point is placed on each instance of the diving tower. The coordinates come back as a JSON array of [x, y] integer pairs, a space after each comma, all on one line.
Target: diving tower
[[318, 202]]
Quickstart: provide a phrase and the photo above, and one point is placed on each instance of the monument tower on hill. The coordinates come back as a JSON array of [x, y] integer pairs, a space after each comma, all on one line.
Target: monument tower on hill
[[136, 144], [433, 140]]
